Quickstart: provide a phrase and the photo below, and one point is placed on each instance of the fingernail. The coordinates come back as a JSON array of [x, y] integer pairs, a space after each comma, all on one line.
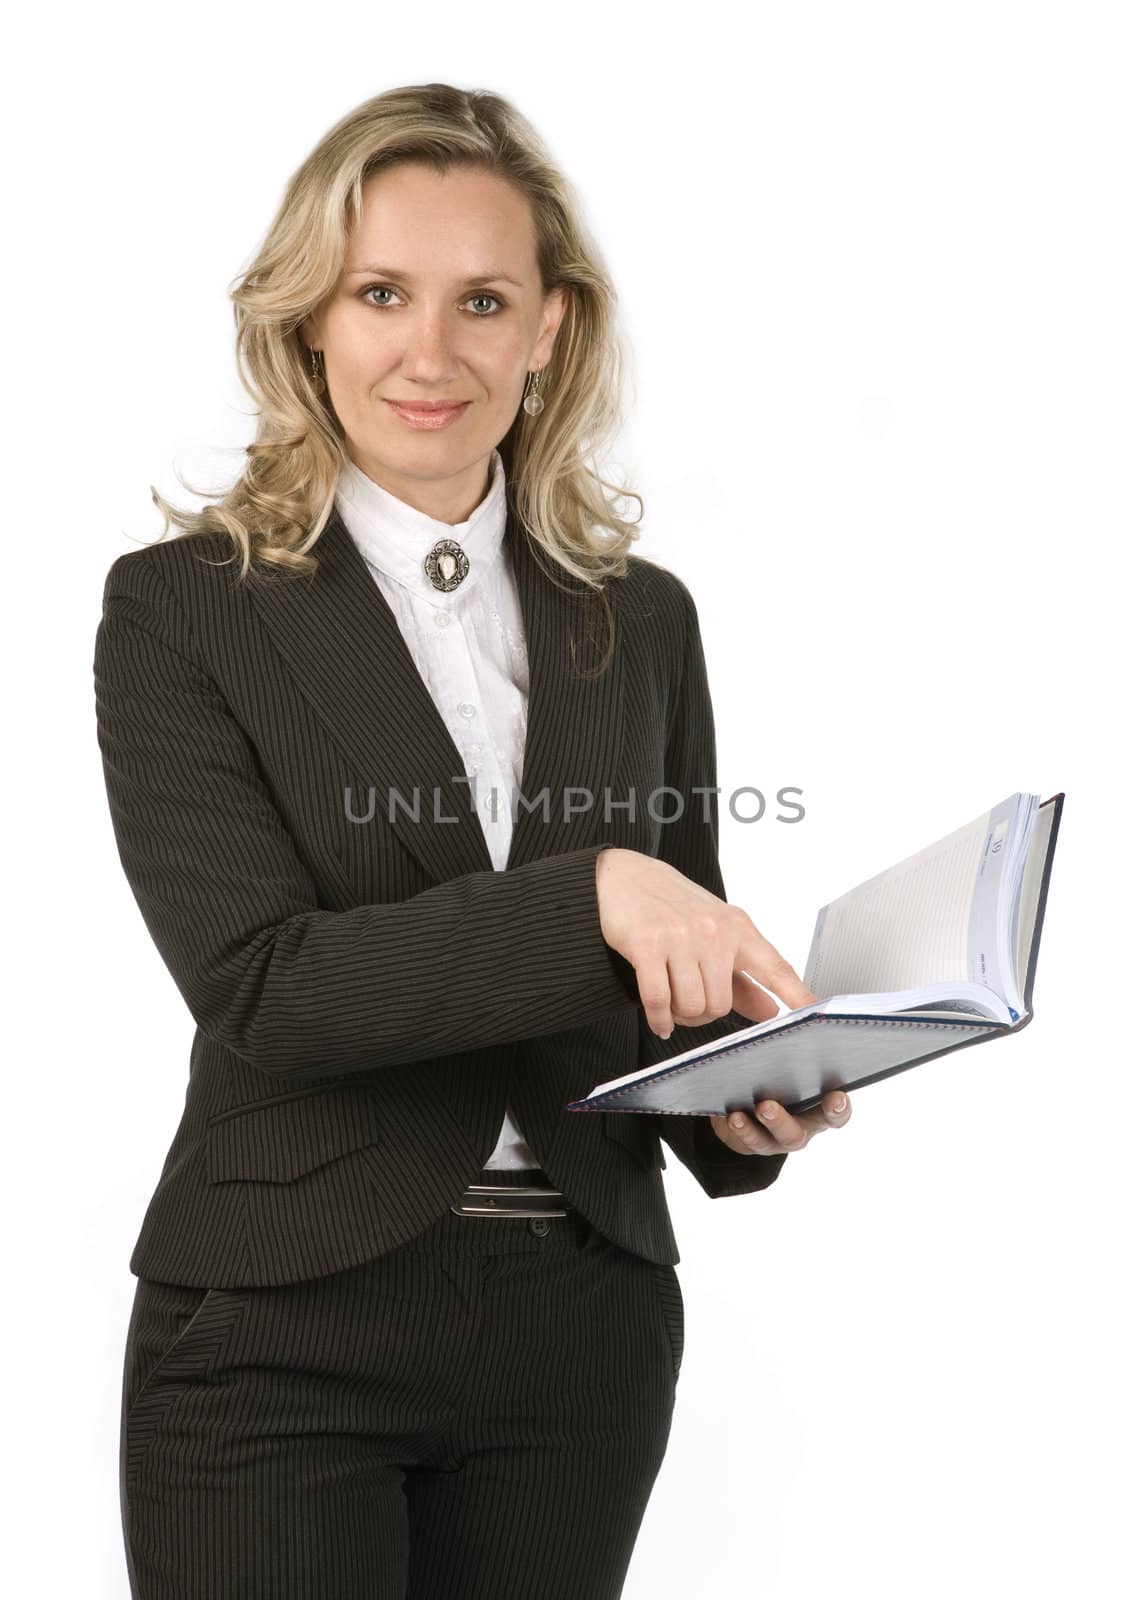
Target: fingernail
[[768, 1112], [738, 1121], [841, 1104]]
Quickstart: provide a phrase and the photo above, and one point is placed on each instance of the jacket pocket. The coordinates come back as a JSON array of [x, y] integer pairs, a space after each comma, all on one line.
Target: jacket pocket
[[283, 1139]]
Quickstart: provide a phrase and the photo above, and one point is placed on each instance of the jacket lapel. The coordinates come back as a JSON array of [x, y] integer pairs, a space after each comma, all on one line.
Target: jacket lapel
[[574, 724], [348, 657]]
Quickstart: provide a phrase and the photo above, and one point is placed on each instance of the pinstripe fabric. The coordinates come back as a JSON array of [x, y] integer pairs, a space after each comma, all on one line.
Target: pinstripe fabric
[[367, 991], [477, 1415]]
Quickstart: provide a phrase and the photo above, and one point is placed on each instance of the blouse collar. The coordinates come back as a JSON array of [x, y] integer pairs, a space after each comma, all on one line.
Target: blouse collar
[[396, 538]]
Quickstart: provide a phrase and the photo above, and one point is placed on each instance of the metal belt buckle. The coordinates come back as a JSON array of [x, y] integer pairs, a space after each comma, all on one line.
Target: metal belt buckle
[[508, 1200]]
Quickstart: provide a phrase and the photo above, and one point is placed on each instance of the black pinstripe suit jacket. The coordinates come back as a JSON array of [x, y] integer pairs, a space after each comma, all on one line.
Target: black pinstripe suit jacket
[[369, 994]]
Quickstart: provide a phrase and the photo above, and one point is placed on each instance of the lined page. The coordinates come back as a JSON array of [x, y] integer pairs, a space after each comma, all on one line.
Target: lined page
[[1031, 889], [905, 927]]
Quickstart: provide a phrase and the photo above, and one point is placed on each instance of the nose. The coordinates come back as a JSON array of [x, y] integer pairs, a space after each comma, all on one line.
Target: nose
[[429, 349]]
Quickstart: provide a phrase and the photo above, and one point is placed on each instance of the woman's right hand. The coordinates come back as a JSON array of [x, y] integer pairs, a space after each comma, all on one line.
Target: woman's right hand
[[693, 954]]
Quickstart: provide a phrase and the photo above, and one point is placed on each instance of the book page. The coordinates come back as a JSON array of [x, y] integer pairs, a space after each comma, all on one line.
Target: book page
[[906, 927], [1031, 889], [993, 928]]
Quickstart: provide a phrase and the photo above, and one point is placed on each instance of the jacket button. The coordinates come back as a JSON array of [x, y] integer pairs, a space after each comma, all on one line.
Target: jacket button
[[541, 1226]]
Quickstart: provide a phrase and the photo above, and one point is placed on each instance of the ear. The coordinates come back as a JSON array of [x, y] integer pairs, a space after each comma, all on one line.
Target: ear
[[555, 307]]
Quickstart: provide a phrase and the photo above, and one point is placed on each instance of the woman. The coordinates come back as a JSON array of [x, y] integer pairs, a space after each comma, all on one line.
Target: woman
[[404, 1326]]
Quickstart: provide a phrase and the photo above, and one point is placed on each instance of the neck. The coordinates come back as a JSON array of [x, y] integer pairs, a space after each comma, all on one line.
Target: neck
[[451, 499]]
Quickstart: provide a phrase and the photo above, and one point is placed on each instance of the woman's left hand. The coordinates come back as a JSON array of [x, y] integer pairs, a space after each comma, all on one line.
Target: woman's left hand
[[775, 1130]]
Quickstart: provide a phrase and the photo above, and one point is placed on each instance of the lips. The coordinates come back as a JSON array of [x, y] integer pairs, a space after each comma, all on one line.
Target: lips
[[428, 415], [428, 408]]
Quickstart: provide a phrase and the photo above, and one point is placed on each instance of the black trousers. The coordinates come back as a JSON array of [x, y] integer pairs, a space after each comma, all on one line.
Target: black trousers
[[477, 1415]]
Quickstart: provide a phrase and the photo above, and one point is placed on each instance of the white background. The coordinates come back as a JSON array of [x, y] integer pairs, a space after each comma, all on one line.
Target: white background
[[878, 266]]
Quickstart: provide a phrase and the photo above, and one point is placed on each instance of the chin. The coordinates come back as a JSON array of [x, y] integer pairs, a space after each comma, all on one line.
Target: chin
[[428, 459]]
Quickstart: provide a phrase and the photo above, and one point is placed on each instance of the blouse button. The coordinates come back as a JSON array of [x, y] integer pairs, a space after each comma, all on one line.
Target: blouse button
[[466, 710], [443, 618]]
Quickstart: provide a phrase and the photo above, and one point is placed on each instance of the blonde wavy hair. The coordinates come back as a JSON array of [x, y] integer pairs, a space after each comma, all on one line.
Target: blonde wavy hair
[[276, 510]]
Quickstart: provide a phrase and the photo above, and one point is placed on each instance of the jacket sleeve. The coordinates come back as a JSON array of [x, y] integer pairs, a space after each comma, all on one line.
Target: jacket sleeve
[[691, 844], [293, 988]]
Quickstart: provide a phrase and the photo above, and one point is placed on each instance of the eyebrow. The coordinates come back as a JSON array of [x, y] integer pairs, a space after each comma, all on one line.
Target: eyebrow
[[402, 277]]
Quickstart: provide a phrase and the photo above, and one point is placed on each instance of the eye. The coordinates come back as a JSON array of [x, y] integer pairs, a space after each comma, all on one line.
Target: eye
[[381, 288], [483, 296]]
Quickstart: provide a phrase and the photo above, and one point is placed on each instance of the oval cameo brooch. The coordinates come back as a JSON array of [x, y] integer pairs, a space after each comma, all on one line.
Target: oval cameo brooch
[[446, 565]]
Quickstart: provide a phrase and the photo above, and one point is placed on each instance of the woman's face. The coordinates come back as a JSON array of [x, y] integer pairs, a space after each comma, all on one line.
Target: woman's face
[[440, 300]]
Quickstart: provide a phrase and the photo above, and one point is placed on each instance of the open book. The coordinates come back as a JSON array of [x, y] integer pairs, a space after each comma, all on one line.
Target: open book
[[935, 953]]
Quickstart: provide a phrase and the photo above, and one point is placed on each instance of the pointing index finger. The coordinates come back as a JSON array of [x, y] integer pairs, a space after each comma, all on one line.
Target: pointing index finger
[[764, 964]]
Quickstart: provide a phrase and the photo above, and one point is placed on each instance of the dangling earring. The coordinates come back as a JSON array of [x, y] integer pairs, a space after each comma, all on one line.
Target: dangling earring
[[533, 401], [315, 370]]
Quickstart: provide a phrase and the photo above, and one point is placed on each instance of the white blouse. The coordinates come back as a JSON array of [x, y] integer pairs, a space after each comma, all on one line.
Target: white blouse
[[470, 648]]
